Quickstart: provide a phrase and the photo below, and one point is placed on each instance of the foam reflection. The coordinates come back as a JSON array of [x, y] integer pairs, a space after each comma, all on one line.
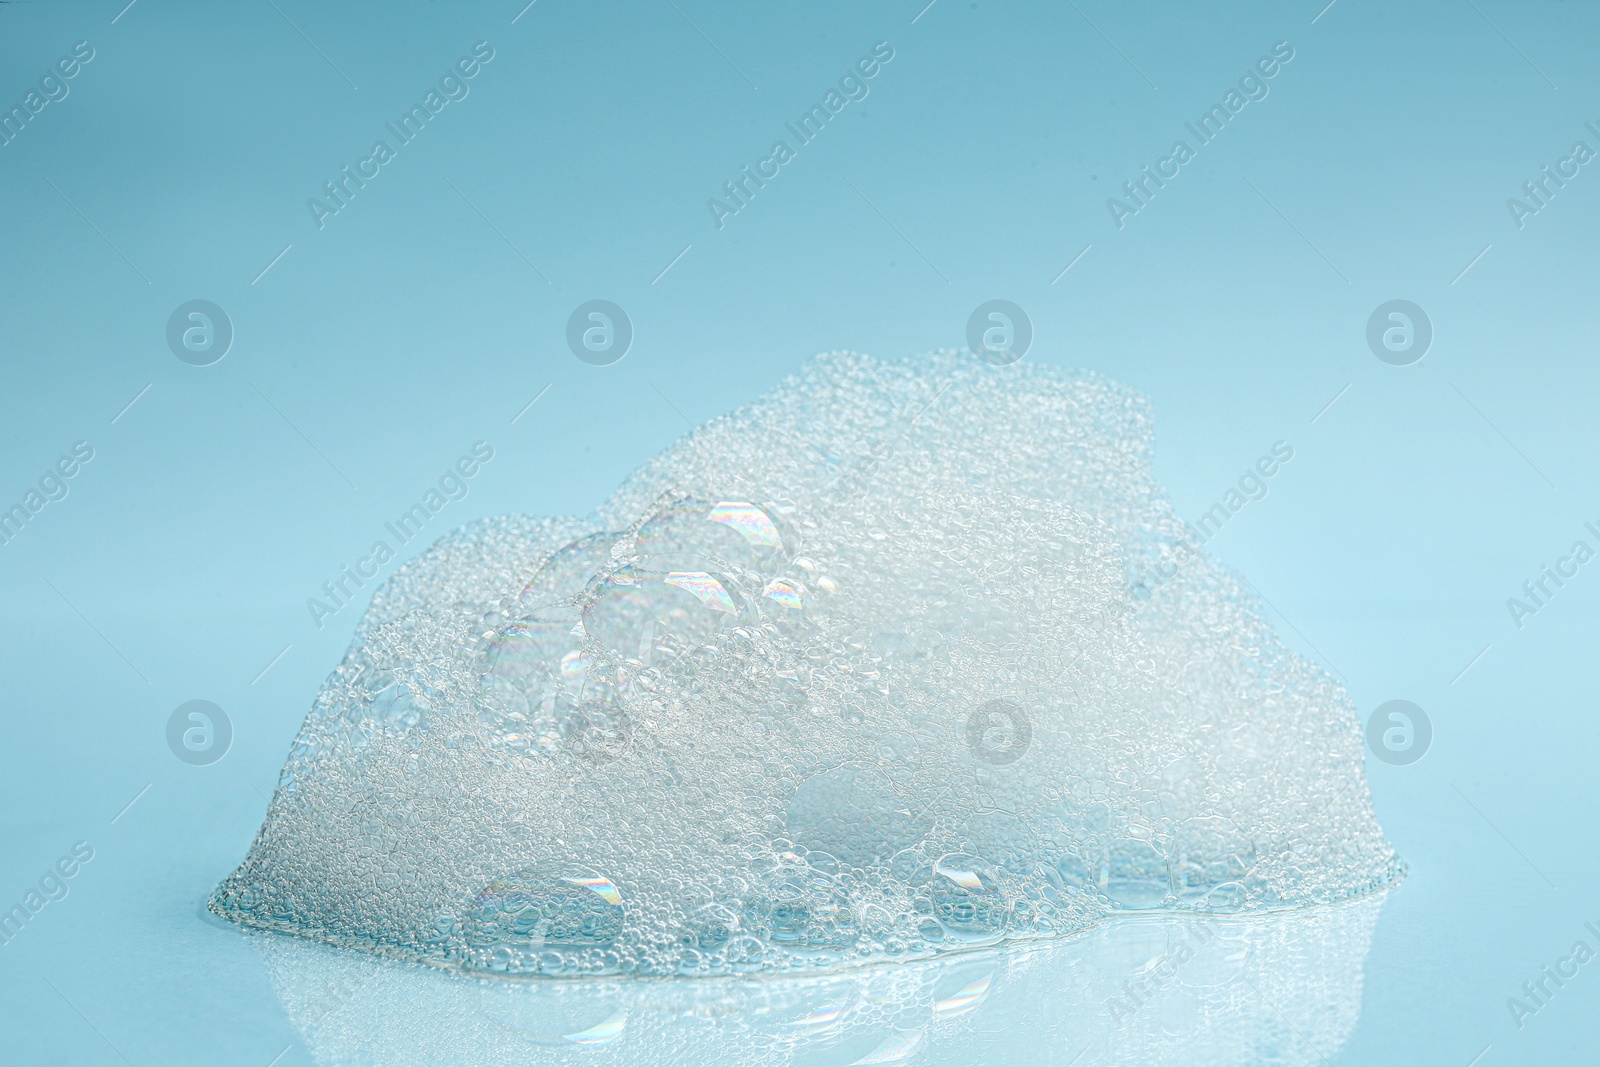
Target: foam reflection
[[1279, 990]]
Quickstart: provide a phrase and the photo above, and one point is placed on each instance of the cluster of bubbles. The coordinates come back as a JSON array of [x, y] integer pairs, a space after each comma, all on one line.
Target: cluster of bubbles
[[904, 658]]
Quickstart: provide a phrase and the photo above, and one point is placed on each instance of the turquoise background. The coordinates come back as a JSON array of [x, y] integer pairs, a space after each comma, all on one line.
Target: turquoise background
[[427, 313]]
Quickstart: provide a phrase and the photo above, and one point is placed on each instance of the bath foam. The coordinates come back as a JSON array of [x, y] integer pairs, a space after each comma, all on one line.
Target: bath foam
[[903, 658]]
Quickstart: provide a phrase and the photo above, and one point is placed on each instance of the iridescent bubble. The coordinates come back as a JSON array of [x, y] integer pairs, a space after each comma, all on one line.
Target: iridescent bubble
[[568, 570], [531, 674], [967, 900], [822, 1019], [599, 885], [967, 998], [652, 617], [703, 587], [601, 1033], [515, 919], [784, 602], [731, 534]]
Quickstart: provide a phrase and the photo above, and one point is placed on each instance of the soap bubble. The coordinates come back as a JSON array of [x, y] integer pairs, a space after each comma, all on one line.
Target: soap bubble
[[784, 601], [655, 616], [967, 901], [730, 534], [1133, 874], [565, 573], [517, 921]]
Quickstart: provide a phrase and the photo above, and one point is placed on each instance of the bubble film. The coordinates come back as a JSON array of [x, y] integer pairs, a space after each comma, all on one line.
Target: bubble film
[[904, 658]]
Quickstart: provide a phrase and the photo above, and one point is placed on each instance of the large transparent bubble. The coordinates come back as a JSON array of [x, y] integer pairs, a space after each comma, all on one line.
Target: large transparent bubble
[[903, 659]]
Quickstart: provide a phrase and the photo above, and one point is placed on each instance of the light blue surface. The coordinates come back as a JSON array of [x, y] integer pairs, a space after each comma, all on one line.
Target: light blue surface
[[427, 313]]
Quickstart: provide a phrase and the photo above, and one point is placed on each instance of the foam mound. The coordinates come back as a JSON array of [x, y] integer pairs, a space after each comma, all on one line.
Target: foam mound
[[903, 658]]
